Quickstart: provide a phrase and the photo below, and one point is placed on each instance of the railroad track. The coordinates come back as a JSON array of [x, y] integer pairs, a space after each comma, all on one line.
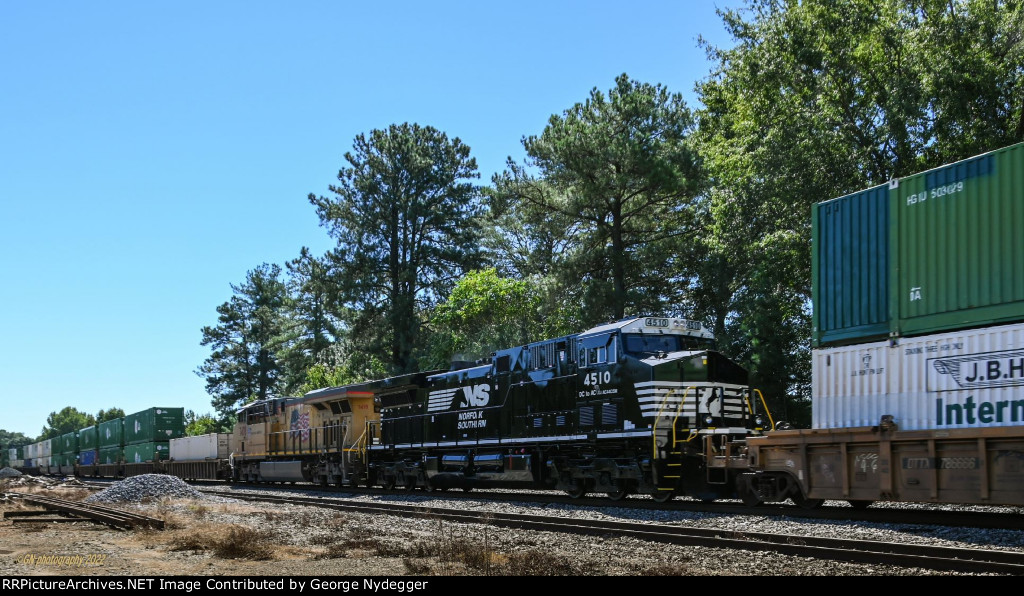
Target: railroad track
[[879, 513], [964, 560], [77, 511]]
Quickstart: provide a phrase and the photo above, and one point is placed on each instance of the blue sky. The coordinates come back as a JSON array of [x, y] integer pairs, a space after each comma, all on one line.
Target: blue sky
[[151, 153]]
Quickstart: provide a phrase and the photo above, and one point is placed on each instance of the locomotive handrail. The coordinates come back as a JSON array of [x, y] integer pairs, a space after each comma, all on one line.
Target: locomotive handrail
[[766, 410], [654, 429]]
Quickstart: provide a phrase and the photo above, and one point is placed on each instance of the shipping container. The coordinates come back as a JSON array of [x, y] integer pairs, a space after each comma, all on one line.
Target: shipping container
[[154, 424], [933, 252], [88, 457], [201, 447], [111, 433], [969, 378], [69, 442], [110, 455], [12, 454], [45, 449], [850, 267], [958, 246], [88, 438], [144, 452], [18, 464]]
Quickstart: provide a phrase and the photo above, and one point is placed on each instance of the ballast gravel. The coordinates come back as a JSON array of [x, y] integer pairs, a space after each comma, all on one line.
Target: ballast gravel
[[148, 487]]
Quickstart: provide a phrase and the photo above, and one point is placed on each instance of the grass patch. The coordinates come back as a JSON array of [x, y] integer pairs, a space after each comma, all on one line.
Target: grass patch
[[231, 542]]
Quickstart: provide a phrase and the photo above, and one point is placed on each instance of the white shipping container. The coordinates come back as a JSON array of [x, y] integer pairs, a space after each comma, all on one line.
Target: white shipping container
[[201, 447], [17, 463], [961, 379], [12, 454], [44, 449]]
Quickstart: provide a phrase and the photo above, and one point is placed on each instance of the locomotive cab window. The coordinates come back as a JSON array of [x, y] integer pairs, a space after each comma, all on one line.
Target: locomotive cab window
[[645, 345]]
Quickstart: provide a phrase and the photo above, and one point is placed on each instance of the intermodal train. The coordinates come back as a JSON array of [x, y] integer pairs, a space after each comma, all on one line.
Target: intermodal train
[[917, 366], [643, 406]]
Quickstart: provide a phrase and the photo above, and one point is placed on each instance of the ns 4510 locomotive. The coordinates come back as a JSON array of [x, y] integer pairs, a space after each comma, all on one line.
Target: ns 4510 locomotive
[[642, 405]]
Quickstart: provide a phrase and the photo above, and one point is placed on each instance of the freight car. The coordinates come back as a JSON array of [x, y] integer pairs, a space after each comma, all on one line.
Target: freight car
[[918, 359]]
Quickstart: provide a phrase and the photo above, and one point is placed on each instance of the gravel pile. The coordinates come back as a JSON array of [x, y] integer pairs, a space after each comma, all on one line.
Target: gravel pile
[[9, 473], [135, 489]]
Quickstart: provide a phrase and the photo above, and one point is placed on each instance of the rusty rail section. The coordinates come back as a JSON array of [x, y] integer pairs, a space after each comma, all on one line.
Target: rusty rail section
[[110, 516]]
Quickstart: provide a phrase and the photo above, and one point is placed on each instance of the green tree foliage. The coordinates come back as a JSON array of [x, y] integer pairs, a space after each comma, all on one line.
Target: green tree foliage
[[67, 420], [10, 440], [249, 333], [312, 319], [817, 99], [204, 424], [109, 414], [403, 214], [617, 168], [485, 313]]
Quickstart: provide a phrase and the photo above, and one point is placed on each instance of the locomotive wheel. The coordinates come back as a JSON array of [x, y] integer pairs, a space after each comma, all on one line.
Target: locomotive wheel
[[750, 498], [576, 490], [410, 482], [621, 492], [804, 503], [389, 483], [663, 496], [860, 505]]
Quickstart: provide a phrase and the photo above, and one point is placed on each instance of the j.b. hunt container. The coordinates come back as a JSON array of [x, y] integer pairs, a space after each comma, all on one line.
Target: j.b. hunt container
[[201, 447], [962, 379], [938, 251]]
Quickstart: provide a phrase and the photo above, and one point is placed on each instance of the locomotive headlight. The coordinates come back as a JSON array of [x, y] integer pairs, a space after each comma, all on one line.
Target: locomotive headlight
[[708, 420], [758, 420]]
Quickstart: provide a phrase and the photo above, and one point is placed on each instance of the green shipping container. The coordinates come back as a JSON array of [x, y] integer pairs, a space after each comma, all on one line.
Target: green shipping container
[[69, 443], [850, 267], [958, 246], [154, 425], [111, 455], [88, 438], [111, 433], [143, 452], [938, 251]]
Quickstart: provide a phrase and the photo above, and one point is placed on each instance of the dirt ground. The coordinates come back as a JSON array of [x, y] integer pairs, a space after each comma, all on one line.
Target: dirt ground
[[200, 539]]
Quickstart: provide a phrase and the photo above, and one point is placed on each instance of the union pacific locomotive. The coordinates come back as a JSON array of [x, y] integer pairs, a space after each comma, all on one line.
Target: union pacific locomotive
[[634, 406]]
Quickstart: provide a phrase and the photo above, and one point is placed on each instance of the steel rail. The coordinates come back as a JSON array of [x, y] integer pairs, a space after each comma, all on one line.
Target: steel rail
[[99, 513], [966, 560]]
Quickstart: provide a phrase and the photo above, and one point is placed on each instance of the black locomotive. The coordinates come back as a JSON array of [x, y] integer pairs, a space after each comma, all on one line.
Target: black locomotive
[[633, 406]]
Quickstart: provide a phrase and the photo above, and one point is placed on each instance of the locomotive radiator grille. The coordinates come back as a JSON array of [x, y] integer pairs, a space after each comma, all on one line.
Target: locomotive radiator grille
[[717, 399]]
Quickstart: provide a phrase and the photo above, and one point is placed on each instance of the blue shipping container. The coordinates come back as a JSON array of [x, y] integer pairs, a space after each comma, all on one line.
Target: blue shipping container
[[88, 458]]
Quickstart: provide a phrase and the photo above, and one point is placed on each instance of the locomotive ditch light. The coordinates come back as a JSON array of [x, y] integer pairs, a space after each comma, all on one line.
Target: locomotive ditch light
[[709, 420], [758, 420]]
